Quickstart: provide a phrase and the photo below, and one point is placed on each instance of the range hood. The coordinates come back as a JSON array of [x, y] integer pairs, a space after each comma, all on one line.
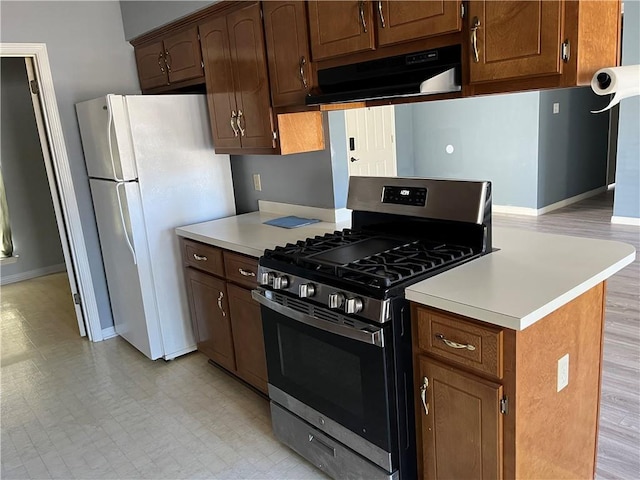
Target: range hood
[[420, 73]]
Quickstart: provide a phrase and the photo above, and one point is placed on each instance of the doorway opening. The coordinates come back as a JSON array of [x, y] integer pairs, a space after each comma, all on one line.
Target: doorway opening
[[49, 136]]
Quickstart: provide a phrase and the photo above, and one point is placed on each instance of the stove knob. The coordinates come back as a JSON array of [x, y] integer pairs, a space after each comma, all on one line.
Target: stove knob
[[353, 305], [280, 282], [266, 278], [306, 290], [336, 300]]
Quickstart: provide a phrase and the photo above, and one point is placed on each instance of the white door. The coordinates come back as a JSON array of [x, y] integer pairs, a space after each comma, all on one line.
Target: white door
[[371, 143], [44, 143]]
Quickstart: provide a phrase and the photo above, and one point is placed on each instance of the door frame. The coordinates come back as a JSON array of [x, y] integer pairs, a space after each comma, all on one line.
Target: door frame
[[61, 185]]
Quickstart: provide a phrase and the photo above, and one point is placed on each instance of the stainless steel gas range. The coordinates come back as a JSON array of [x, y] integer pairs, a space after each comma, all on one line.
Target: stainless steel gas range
[[337, 326]]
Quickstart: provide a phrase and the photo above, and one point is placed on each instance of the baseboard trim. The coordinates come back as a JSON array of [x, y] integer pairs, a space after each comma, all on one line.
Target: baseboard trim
[[331, 215], [511, 210], [109, 332], [38, 272], [569, 201], [533, 212], [626, 221]]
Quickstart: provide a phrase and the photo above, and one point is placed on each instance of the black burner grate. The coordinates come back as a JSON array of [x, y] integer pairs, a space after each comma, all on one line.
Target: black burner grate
[[382, 268]]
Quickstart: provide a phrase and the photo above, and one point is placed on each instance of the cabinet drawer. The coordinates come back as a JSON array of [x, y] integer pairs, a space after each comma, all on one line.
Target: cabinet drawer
[[203, 257], [241, 269], [478, 347]]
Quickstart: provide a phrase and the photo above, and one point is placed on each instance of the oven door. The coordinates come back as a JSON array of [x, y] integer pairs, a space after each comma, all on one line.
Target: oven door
[[344, 372]]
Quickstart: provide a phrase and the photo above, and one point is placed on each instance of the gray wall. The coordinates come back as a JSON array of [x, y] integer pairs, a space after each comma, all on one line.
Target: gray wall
[[33, 222], [89, 57], [139, 17], [303, 179], [573, 144], [339, 156], [627, 195], [494, 138], [404, 140]]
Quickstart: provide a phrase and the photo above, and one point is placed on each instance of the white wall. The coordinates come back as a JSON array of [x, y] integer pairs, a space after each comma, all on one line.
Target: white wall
[[33, 223], [89, 58]]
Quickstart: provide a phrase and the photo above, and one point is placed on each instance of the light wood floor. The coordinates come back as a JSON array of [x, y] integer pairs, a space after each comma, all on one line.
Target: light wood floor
[[73, 409], [619, 438]]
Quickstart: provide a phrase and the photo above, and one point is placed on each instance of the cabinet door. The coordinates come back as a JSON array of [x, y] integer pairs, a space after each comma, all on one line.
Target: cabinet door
[[286, 33], [248, 340], [210, 317], [218, 74], [152, 70], [401, 21], [182, 52], [462, 431], [246, 41], [514, 39], [339, 28]]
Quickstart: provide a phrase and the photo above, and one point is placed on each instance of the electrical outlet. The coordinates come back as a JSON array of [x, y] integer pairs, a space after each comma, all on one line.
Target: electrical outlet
[[556, 108], [563, 372], [257, 185]]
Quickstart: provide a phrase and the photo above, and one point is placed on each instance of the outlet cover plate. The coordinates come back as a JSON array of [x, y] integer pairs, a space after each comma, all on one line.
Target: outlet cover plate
[[563, 372]]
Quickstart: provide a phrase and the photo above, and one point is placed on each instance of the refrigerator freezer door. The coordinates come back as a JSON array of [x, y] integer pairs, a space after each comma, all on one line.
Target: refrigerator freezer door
[[121, 226], [182, 181], [106, 141]]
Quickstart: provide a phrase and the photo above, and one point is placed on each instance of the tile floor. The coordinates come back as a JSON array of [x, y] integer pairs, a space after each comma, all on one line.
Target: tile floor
[[75, 409]]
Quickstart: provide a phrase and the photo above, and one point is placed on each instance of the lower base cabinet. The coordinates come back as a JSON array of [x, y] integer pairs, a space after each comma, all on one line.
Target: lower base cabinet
[[209, 307], [246, 325], [488, 400], [226, 321]]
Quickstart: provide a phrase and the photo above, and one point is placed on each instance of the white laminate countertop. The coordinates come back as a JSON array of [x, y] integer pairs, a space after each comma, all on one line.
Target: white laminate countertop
[[247, 234], [531, 275]]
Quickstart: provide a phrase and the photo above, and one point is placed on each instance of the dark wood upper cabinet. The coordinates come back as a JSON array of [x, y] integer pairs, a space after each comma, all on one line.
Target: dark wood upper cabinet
[[402, 21], [340, 27], [287, 37], [251, 80], [174, 59], [182, 55], [221, 97], [237, 81], [152, 70], [514, 39]]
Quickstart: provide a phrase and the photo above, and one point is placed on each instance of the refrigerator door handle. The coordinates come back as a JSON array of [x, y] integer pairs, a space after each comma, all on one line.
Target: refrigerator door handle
[[109, 125], [124, 225]]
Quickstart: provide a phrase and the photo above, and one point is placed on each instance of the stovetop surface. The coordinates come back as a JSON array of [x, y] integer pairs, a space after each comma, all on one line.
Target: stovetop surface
[[369, 262]]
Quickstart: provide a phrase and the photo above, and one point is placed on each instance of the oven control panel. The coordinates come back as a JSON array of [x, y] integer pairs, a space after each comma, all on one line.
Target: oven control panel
[[332, 298], [414, 196]]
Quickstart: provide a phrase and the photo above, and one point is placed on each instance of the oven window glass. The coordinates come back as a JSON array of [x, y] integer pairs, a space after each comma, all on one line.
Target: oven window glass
[[321, 368]]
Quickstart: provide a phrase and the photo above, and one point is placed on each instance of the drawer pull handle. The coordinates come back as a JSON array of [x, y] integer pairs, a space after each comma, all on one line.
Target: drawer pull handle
[[423, 394], [199, 258], [246, 273], [457, 345], [324, 446], [220, 297]]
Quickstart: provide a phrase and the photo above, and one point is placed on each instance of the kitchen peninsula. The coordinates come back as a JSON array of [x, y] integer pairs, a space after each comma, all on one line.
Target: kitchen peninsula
[[537, 299]]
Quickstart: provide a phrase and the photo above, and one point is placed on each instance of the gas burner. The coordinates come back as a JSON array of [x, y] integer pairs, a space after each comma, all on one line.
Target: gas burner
[[371, 260]]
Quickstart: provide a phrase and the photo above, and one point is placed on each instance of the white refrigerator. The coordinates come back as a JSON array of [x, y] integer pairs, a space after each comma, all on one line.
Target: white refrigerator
[[152, 168]]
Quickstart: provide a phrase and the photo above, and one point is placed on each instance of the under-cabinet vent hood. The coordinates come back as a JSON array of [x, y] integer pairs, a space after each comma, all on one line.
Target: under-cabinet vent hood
[[420, 73]]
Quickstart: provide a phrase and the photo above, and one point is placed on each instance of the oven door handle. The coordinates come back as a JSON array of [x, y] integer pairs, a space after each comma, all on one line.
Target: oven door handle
[[373, 338]]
